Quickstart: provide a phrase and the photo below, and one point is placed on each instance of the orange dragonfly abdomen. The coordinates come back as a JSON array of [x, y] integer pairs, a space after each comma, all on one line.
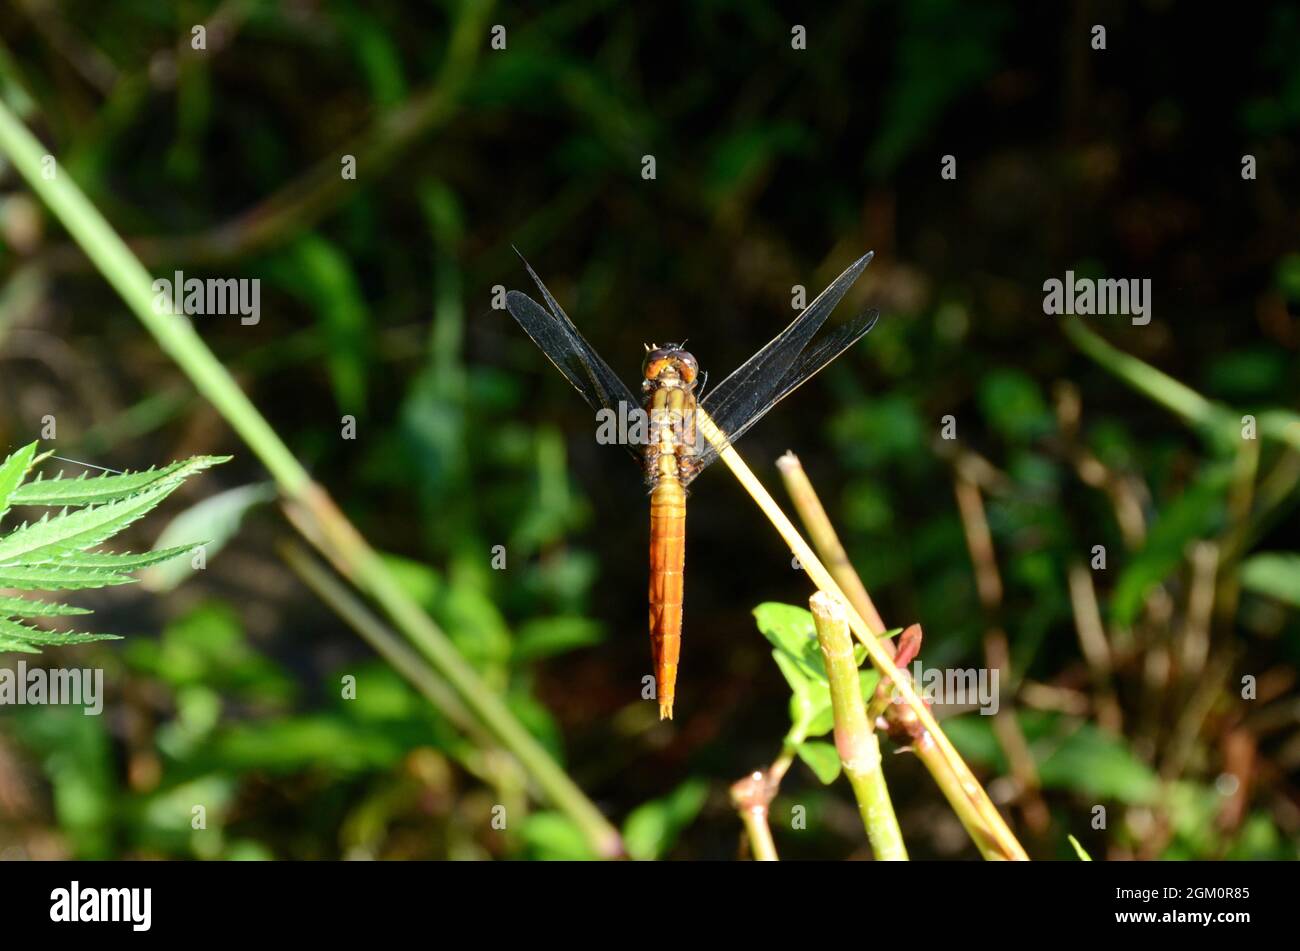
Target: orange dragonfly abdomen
[[670, 458], [667, 567]]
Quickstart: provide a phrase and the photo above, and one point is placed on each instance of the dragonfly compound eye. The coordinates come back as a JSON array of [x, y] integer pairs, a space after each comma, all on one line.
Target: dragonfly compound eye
[[664, 358], [687, 366], [656, 361]]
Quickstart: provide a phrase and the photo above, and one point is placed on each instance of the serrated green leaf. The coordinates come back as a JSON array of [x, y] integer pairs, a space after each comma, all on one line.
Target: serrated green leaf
[[123, 561], [12, 644], [53, 538], [26, 607], [49, 554], [102, 489], [52, 576], [12, 471], [12, 630], [822, 759]]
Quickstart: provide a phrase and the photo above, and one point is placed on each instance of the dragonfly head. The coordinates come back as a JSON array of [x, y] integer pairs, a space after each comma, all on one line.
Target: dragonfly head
[[669, 362]]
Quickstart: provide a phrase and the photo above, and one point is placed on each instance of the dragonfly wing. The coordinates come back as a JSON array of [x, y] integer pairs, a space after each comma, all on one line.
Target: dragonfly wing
[[559, 339], [782, 366]]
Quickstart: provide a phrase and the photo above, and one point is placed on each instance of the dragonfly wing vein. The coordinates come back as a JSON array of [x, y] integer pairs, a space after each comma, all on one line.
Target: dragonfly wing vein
[[778, 369]]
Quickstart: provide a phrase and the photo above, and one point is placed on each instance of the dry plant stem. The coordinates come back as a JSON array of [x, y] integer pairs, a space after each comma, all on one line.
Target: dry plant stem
[[931, 756], [999, 842], [760, 835], [1236, 536], [997, 656], [752, 797], [855, 740], [827, 543], [1094, 645], [309, 505]]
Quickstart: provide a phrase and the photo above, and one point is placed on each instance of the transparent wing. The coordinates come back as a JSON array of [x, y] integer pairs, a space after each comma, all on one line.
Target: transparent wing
[[557, 337], [782, 366]]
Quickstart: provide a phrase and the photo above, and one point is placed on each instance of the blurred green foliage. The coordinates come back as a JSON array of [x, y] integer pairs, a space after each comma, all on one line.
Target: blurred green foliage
[[774, 167]]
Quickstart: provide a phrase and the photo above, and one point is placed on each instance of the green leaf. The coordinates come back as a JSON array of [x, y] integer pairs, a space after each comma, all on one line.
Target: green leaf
[[13, 644], [1275, 574], [12, 471], [652, 828], [1194, 514], [51, 554], [1098, 764], [12, 630], [53, 576], [791, 630], [210, 523], [550, 836], [801, 704], [741, 159], [810, 700], [53, 538], [822, 758], [1012, 403], [792, 672], [124, 561], [546, 637], [318, 741], [1069, 754], [822, 720], [207, 646], [26, 607], [110, 487], [474, 624], [320, 273]]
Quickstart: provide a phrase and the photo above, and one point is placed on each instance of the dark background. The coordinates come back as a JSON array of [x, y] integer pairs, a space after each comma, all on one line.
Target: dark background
[[775, 167]]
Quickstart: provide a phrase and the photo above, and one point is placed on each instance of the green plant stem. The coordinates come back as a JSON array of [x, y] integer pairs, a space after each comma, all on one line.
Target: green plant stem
[[790, 748], [996, 841], [827, 543], [309, 506], [967, 807], [855, 740], [1179, 398], [1146, 379], [963, 803]]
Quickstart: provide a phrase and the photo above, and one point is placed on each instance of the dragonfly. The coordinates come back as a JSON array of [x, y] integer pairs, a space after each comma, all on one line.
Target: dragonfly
[[665, 445]]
